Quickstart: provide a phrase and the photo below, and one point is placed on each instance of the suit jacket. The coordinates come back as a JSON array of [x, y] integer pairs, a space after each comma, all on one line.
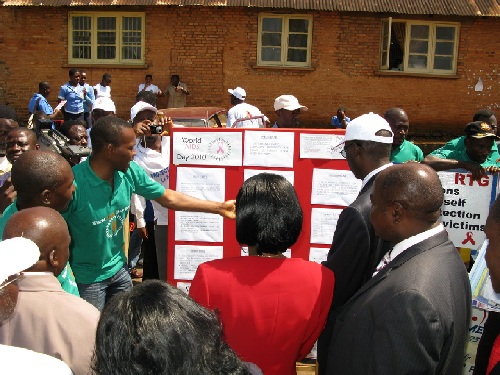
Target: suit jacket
[[353, 257], [412, 317], [272, 309]]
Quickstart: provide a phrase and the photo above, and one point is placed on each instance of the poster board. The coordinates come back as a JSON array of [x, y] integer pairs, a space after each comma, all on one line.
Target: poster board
[[215, 162]]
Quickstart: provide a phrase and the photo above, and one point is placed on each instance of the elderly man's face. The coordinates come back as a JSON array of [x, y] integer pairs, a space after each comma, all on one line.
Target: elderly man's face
[[288, 119], [478, 149], [78, 136]]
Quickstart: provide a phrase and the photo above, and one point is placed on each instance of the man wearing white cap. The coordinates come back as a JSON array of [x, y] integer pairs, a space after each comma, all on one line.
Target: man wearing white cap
[[287, 108], [243, 115], [356, 250]]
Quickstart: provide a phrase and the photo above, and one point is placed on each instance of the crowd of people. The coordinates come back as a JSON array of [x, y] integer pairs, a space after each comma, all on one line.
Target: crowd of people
[[392, 297]]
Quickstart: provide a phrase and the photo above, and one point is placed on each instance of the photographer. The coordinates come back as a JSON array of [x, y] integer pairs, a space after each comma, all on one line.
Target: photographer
[[76, 132]]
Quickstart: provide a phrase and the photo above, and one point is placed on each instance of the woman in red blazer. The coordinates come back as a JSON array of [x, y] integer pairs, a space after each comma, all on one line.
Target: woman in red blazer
[[272, 308]]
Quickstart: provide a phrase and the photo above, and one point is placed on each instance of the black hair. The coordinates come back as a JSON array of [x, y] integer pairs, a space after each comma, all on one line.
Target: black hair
[[149, 75], [66, 127], [175, 76], [42, 86], [6, 111], [107, 130], [72, 71], [146, 96], [106, 77], [341, 109], [268, 214], [483, 115], [156, 328], [36, 171]]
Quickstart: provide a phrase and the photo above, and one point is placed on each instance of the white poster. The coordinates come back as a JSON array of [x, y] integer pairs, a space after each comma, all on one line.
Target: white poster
[[202, 183], [318, 254], [207, 148], [252, 172], [268, 149], [187, 259], [323, 224], [334, 187], [465, 208], [320, 146]]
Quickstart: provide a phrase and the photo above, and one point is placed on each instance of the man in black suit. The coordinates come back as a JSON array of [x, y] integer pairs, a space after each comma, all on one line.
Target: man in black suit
[[356, 250], [412, 316]]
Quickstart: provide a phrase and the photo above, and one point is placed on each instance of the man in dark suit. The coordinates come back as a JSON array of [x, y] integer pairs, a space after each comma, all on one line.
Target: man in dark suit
[[412, 316], [356, 250]]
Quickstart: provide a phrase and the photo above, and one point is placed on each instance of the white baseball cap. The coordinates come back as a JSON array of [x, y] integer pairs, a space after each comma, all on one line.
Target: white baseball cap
[[17, 254], [365, 128], [139, 107], [238, 92], [288, 102], [104, 103]]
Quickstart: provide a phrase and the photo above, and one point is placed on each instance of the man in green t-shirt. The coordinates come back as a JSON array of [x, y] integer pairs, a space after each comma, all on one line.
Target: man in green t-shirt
[[402, 150], [475, 154], [105, 183]]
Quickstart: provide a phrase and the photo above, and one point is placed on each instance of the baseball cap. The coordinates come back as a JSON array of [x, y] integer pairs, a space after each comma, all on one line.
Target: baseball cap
[[17, 254], [139, 107], [288, 102], [238, 92], [365, 128], [105, 104], [479, 129]]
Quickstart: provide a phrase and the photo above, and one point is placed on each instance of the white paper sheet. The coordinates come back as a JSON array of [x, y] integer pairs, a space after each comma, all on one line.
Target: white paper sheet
[[318, 254], [202, 183], [334, 187], [269, 149], [187, 259], [320, 146], [207, 148], [247, 173], [184, 286], [323, 224]]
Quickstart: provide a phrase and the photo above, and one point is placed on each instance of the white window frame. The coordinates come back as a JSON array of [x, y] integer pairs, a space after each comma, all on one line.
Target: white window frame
[[385, 42], [284, 41], [119, 35]]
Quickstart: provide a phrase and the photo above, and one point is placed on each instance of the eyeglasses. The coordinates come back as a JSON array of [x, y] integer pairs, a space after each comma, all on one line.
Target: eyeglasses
[[343, 152]]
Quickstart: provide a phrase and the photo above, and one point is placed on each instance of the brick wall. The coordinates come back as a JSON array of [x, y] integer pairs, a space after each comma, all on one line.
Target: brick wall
[[214, 49]]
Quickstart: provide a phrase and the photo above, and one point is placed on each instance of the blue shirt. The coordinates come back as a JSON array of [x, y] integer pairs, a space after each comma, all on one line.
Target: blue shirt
[[43, 105], [73, 96], [336, 122]]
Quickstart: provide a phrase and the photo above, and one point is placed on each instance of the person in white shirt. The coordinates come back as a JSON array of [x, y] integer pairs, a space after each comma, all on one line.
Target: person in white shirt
[[243, 115], [149, 86], [103, 89]]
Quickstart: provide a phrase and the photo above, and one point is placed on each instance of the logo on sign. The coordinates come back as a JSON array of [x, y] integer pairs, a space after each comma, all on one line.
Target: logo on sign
[[219, 149]]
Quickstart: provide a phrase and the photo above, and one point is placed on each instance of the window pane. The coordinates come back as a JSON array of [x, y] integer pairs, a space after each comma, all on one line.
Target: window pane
[[419, 32], [443, 62], [106, 52], [297, 40], [106, 23], [271, 54], [445, 48], [132, 23], [271, 39], [297, 55], [272, 24], [298, 26], [82, 37], [131, 53], [131, 38], [81, 52], [417, 61], [82, 23], [418, 46], [445, 33], [106, 38]]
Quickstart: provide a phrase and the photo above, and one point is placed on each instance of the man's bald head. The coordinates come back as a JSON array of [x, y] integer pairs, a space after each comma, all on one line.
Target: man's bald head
[[37, 171], [48, 230]]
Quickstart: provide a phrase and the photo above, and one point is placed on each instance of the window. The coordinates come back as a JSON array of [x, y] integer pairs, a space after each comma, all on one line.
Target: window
[[101, 38], [419, 47], [284, 40]]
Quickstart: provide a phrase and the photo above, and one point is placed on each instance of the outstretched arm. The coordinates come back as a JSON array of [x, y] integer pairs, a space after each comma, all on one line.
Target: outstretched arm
[[440, 164]]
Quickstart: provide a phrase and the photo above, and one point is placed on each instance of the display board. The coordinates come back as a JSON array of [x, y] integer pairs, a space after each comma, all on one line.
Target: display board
[[213, 164]]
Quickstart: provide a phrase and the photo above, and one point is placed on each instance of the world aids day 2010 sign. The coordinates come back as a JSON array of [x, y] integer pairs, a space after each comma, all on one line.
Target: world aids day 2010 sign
[[466, 206]]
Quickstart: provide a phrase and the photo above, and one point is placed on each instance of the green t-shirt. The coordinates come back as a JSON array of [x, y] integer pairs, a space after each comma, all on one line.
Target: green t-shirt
[[455, 149], [405, 152], [96, 216], [66, 278]]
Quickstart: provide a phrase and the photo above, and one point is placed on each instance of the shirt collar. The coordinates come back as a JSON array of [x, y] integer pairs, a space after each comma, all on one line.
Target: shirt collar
[[95, 180], [373, 173], [413, 240]]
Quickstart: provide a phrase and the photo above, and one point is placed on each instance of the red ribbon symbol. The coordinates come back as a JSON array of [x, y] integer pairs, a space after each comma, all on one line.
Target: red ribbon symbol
[[469, 238]]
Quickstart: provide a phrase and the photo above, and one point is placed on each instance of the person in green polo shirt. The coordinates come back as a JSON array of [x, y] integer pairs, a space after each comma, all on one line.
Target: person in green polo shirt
[[475, 154], [105, 183], [402, 150]]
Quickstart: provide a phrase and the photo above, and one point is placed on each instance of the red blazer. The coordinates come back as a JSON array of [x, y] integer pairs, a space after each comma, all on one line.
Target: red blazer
[[272, 309]]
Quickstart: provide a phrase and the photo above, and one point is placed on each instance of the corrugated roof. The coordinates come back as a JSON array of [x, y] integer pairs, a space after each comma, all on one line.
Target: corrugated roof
[[489, 8]]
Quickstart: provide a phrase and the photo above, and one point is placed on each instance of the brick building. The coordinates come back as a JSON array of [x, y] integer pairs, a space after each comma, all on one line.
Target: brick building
[[429, 58]]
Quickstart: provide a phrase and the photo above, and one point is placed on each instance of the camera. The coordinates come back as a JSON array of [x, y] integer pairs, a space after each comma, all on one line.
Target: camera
[[156, 129]]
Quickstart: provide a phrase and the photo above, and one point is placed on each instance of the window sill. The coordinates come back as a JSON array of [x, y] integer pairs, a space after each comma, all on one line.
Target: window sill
[[105, 66], [280, 67], [395, 73]]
